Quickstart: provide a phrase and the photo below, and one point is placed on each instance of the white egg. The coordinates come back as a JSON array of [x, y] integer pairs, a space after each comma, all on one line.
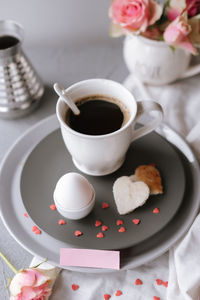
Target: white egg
[[74, 196]]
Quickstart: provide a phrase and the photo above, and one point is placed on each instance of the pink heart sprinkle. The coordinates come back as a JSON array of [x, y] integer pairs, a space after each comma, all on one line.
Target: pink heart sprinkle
[[75, 287], [138, 282], [136, 221], [156, 211], [105, 205], [100, 235], [78, 233], [156, 298], [98, 223], [36, 230], [61, 222], [26, 215], [122, 229], [104, 228], [52, 207], [119, 222], [107, 296], [118, 293]]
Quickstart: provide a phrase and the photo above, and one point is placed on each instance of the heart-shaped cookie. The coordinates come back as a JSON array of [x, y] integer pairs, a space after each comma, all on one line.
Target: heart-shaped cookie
[[151, 176], [129, 195]]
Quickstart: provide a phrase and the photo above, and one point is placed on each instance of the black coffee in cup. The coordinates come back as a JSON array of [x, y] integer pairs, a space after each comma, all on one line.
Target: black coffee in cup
[[99, 115]]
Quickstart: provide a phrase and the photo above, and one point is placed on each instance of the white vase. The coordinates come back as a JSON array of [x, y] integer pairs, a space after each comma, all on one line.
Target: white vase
[[154, 62]]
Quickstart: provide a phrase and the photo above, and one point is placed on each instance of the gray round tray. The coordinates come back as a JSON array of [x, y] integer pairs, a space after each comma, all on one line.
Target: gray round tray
[[50, 159], [14, 204]]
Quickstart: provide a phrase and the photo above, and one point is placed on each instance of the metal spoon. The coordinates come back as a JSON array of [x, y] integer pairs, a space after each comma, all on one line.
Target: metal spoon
[[66, 98]]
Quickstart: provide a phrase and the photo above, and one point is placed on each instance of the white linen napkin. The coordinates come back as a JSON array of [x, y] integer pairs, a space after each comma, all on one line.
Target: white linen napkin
[[181, 265]]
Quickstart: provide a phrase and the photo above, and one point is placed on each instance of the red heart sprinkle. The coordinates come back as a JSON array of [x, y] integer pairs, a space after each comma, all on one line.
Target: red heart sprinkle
[[75, 287], [119, 222], [122, 229], [52, 207], [100, 235], [107, 296], [36, 230], [61, 222], [118, 293], [156, 298], [104, 228], [156, 210], [138, 282], [98, 223], [165, 283], [136, 221], [78, 233], [159, 281], [26, 215], [105, 205]]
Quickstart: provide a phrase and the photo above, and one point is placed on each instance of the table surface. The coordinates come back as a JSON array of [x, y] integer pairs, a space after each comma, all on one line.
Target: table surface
[[67, 65]]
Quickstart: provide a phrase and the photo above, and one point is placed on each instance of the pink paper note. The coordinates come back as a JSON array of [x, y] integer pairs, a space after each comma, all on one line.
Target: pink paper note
[[90, 258]]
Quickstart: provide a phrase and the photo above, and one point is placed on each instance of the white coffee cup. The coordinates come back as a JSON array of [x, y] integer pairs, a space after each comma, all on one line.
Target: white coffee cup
[[103, 154]]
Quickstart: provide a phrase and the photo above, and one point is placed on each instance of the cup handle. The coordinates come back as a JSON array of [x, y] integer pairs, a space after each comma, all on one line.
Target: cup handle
[[147, 107], [191, 71]]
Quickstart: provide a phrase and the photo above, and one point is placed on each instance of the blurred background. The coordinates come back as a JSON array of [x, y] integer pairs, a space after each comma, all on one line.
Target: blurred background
[[61, 21], [67, 40]]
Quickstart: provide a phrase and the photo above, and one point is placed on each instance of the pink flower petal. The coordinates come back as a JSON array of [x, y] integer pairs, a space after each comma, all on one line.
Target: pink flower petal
[[172, 13], [187, 45], [156, 11], [27, 293], [40, 278], [23, 278], [37, 293]]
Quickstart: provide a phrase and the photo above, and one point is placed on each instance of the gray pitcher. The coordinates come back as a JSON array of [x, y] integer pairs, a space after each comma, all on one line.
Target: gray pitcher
[[20, 86]]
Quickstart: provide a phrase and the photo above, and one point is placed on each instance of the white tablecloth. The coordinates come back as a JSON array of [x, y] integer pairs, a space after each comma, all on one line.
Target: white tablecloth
[[181, 265]]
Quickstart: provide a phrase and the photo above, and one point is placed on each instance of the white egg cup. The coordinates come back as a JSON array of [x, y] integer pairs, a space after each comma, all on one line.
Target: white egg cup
[[74, 196], [76, 214]]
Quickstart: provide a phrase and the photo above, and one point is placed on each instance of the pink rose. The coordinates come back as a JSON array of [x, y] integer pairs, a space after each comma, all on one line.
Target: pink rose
[[135, 15], [177, 34], [30, 284]]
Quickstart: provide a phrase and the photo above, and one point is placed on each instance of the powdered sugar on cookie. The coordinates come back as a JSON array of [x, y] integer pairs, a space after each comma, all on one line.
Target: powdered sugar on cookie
[[129, 195]]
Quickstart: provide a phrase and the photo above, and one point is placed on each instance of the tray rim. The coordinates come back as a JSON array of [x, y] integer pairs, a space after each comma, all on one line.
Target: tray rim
[[163, 130]]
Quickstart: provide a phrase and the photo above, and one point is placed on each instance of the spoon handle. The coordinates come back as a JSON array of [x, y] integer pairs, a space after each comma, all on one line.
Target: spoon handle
[[66, 98]]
